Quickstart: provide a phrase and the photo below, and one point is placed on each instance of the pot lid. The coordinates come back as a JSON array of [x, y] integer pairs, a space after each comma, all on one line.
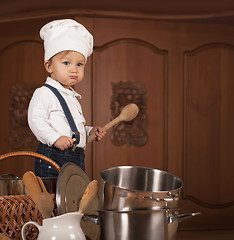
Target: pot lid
[[71, 184]]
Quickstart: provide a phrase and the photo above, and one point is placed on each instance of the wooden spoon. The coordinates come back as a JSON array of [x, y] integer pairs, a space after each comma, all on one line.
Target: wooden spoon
[[88, 196], [45, 202], [39, 194], [32, 185], [128, 113]]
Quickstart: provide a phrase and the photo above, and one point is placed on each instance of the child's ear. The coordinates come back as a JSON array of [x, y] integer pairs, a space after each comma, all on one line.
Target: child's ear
[[48, 67]]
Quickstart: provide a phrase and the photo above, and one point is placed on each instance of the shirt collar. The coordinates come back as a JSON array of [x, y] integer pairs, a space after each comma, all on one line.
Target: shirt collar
[[57, 85]]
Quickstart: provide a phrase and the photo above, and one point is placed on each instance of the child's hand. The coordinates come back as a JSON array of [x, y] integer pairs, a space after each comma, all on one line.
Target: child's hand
[[63, 142], [99, 133]]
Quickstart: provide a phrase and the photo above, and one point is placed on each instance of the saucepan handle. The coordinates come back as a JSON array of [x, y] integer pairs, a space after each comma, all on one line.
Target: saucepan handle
[[91, 218], [170, 194], [171, 219], [159, 199]]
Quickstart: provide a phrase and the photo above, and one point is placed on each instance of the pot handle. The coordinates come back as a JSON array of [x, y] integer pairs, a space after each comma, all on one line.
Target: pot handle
[[170, 194], [158, 199], [91, 218], [25, 225], [182, 216]]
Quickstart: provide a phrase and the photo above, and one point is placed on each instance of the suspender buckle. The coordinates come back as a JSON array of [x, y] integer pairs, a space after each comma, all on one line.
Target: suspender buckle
[[76, 140], [76, 137]]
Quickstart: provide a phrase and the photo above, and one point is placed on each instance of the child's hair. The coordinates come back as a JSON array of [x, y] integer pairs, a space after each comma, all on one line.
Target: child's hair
[[63, 52]]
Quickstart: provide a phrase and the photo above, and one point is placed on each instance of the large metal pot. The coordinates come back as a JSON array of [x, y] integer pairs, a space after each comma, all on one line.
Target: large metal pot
[[127, 188], [131, 225], [138, 224]]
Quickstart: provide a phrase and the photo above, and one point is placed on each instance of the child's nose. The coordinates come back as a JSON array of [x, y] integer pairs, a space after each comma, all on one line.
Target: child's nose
[[73, 68]]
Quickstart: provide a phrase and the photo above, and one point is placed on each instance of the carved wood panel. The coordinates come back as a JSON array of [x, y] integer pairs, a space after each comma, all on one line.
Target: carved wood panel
[[20, 135], [132, 132]]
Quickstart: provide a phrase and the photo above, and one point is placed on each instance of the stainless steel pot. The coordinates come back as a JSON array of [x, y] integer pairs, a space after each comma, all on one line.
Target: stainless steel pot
[[138, 224], [127, 188], [12, 185], [131, 225]]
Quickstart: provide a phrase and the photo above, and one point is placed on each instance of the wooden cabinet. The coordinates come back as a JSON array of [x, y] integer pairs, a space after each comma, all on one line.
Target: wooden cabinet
[[180, 75]]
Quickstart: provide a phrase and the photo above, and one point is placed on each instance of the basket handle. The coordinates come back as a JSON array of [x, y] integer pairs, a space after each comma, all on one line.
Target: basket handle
[[32, 154]]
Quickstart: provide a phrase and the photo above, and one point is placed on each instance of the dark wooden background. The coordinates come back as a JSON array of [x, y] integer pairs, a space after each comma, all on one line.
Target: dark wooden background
[[187, 72]]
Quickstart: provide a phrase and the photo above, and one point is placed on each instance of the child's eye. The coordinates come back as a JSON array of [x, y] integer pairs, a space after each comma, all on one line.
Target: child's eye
[[79, 64], [66, 63]]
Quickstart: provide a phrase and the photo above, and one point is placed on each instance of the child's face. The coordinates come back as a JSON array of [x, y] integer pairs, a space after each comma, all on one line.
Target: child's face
[[67, 68]]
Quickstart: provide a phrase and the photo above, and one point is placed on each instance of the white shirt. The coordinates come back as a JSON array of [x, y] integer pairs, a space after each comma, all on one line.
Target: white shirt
[[46, 117]]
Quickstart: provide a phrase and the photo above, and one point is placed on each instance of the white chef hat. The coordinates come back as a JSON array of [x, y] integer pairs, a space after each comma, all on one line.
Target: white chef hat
[[66, 34]]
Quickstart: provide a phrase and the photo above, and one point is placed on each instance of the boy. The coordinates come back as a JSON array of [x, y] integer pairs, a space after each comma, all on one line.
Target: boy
[[67, 45]]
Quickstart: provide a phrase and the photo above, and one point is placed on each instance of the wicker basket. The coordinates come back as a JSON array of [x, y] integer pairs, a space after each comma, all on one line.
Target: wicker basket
[[16, 210]]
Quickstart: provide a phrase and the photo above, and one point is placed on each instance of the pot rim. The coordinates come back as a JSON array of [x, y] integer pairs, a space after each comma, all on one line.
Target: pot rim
[[145, 192], [145, 168], [134, 211]]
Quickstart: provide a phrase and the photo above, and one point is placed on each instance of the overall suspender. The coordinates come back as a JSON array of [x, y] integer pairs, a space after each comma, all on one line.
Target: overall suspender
[[67, 112]]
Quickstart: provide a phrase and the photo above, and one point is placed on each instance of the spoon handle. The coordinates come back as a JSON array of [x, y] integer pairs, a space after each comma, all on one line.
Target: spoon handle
[[42, 185], [105, 128], [45, 202]]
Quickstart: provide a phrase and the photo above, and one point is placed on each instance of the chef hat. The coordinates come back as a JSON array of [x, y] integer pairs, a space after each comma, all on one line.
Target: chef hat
[[66, 34]]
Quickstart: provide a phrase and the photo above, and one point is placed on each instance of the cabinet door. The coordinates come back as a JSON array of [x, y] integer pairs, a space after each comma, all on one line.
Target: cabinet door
[[21, 71], [209, 133], [130, 71]]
